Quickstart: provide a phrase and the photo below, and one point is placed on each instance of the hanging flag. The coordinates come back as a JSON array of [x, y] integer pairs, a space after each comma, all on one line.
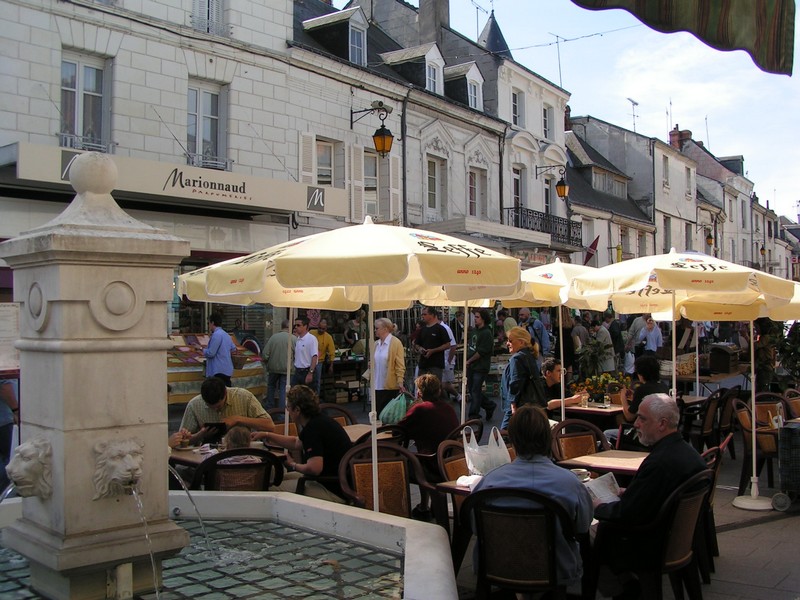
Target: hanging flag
[[591, 251]]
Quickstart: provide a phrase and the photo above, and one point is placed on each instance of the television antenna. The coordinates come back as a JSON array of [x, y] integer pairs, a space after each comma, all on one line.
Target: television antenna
[[634, 104]]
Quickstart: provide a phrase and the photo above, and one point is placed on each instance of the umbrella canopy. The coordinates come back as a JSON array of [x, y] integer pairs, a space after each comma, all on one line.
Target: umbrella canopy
[[383, 266], [647, 284]]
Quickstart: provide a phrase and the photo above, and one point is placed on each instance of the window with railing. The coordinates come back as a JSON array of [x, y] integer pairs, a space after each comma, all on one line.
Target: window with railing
[[84, 104], [204, 142]]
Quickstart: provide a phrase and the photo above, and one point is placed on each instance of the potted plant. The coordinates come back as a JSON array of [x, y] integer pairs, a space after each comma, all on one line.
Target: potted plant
[[597, 386], [590, 357]]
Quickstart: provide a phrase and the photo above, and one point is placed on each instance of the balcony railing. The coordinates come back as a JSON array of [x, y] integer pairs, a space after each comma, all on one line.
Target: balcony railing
[[562, 231], [88, 143], [209, 162]]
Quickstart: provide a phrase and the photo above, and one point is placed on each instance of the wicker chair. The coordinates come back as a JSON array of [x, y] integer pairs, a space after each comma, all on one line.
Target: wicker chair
[[702, 432], [214, 474], [766, 446], [398, 468], [278, 417], [791, 401], [397, 435], [575, 437], [516, 543], [726, 418]]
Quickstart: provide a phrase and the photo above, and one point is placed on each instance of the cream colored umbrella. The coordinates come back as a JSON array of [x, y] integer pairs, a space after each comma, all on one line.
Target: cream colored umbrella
[[383, 266]]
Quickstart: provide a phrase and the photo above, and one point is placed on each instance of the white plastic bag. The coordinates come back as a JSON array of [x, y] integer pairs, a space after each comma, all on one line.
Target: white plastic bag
[[482, 459], [629, 362]]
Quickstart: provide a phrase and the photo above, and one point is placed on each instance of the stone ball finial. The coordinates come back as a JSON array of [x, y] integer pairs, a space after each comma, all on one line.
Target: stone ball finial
[[93, 172]]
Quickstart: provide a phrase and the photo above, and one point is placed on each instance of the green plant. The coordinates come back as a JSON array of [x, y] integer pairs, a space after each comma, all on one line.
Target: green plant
[[598, 384], [591, 356]]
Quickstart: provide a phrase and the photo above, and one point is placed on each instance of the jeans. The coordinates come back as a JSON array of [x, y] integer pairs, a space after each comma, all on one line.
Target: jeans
[[5, 453], [276, 382], [299, 378], [477, 399]]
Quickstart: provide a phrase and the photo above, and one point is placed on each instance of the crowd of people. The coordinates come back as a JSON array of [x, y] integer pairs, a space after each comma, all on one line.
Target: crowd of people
[[530, 386]]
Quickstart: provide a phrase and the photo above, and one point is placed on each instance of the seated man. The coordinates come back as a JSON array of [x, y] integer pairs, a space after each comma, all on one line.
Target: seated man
[[322, 441], [671, 462], [551, 371], [219, 404], [532, 469], [646, 368]]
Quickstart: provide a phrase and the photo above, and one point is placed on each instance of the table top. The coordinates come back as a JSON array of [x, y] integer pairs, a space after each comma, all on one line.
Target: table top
[[612, 409], [623, 462], [715, 377], [193, 457], [356, 430], [451, 487], [687, 400]]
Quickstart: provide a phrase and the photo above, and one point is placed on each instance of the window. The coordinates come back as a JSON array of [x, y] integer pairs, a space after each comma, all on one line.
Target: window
[[642, 245], [733, 251], [83, 121], [517, 185], [688, 181], [358, 53], [433, 184], [432, 78], [688, 235], [207, 17], [665, 170], [547, 122], [744, 215], [667, 234], [472, 95], [371, 184], [517, 108], [203, 137], [624, 239], [730, 210], [548, 195], [472, 193], [325, 163]]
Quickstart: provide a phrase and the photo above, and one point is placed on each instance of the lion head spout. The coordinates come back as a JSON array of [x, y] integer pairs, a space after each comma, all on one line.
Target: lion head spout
[[30, 467], [118, 467]]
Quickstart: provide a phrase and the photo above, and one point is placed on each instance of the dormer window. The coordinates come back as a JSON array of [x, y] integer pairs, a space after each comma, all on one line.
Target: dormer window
[[358, 45], [431, 78]]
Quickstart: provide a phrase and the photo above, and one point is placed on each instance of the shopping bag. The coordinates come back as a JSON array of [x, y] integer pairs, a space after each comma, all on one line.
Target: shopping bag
[[630, 359], [482, 459], [396, 409]]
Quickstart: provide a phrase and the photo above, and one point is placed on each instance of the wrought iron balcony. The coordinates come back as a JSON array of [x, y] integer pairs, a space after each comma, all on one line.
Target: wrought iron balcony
[[209, 162], [88, 143], [562, 231]]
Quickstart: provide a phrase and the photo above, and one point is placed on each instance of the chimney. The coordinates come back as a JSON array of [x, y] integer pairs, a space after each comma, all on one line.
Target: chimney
[[678, 136], [433, 15]]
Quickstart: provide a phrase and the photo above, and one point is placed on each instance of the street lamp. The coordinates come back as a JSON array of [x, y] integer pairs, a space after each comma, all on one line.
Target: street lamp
[[382, 138]]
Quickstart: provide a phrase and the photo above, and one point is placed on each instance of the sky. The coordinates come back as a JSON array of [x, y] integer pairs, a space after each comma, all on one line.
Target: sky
[[610, 57]]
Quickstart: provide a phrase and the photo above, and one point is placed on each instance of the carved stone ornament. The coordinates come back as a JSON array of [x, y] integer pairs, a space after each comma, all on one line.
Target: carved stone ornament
[[437, 146], [30, 468], [118, 467]]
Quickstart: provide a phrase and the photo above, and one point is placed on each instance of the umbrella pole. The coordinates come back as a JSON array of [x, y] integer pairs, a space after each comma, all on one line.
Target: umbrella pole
[[289, 359], [753, 501], [674, 352], [561, 348], [372, 413], [697, 357], [464, 364]]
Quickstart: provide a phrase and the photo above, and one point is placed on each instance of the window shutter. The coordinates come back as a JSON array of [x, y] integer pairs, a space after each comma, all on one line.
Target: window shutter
[[216, 24], [308, 158], [357, 184], [108, 78], [394, 188], [200, 15], [222, 128]]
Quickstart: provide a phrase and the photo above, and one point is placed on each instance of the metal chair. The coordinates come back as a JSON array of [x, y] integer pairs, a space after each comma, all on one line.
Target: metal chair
[[475, 424], [397, 435], [726, 418], [516, 531], [702, 432], [575, 437], [214, 474], [670, 536]]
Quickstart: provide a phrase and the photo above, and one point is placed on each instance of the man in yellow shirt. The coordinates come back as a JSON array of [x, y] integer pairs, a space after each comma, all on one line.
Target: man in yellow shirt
[[327, 351]]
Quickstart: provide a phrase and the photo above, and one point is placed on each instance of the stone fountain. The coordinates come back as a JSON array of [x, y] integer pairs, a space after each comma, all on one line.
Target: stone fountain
[[93, 286]]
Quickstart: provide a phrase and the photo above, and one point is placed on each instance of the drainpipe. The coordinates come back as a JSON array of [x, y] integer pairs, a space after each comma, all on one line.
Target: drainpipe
[[501, 148], [404, 156]]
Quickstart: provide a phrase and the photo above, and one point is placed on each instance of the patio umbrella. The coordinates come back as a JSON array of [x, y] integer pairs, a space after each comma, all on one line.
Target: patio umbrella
[[383, 266], [662, 283]]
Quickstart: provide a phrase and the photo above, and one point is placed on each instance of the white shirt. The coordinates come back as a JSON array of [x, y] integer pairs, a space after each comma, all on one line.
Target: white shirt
[[448, 362], [305, 350], [381, 366]]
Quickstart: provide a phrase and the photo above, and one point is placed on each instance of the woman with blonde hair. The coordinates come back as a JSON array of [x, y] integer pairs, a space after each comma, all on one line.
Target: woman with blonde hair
[[388, 365], [518, 383]]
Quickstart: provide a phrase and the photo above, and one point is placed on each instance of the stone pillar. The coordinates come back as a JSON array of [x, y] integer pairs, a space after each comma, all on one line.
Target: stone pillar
[[93, 285]]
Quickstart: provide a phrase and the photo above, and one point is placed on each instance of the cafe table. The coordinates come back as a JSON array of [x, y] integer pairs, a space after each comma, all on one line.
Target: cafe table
[[604, 416], [357, 430], [619, 462], [712, 382], [192, 457]]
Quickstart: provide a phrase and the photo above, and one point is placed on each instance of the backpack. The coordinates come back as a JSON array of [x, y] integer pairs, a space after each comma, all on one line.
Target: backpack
[[533, 392]]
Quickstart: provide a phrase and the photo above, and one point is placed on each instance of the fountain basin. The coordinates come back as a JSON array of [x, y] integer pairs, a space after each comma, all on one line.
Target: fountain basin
[[427, 566]]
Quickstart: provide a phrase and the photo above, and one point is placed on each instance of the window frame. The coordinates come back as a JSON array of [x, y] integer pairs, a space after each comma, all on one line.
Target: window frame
[[665, 170], [474, 95], [432, 77], [517, 108], [196, 151], [208, 16], [357, 53], [322, 144], [547, 122], [74, 139], [374, 189], [432, 180]]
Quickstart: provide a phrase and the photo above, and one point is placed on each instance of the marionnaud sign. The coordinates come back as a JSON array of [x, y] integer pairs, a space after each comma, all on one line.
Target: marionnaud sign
[[203, 187]]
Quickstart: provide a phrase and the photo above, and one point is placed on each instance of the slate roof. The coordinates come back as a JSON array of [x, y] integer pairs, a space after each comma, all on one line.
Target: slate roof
[[583, 194], [587, 156], [492, 38]]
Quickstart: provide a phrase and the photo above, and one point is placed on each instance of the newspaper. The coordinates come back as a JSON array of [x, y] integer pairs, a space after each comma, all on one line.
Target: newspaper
[[604, 489]]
